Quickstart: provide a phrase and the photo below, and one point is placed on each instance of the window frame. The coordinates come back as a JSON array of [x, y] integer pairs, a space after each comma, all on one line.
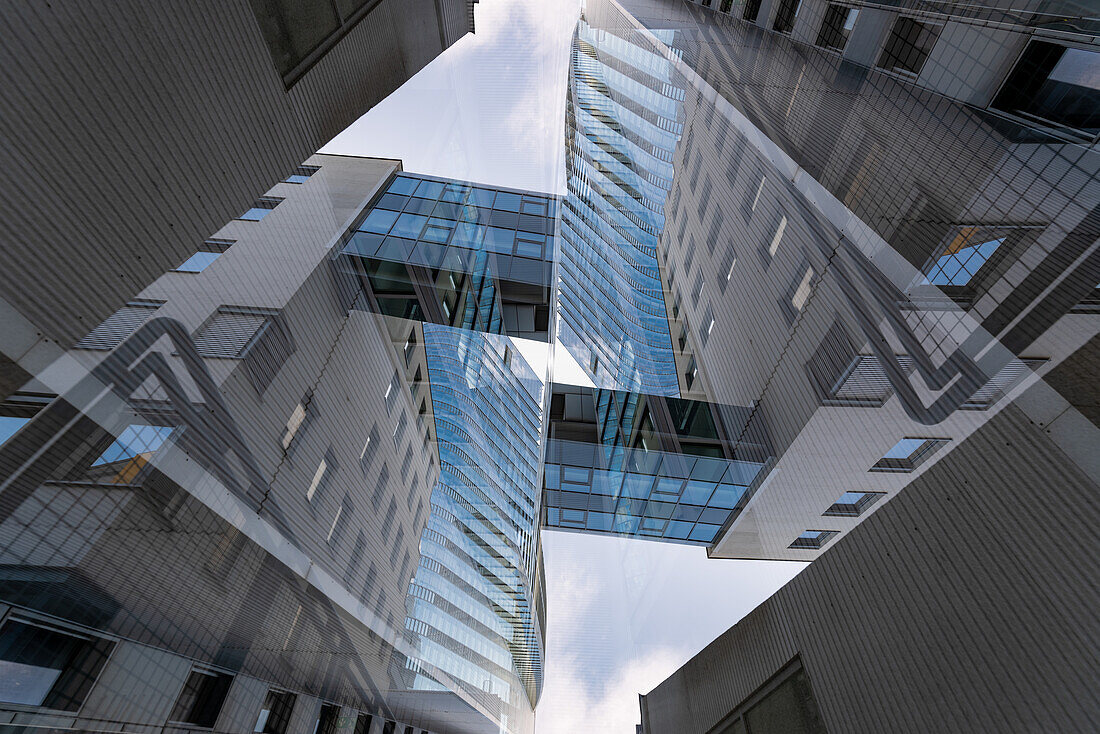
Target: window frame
[[34, 619]]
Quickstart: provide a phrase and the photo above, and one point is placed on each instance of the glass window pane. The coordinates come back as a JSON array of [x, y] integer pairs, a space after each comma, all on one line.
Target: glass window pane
[[379, 221]]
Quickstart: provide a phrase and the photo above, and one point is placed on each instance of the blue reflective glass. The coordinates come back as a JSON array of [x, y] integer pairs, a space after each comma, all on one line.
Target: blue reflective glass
[[507, 202], [850, 498], [697, 493], [296, 178], [438, 230], [499, 240], [133, 441], [550, 476], [429, 189], [600, 521], [403, 185], [482, 197], [574, 474], [198, 262], [637, 486], [727, 496], [678, 530], [572, 516], [904, 448], [409, 225], [626, 524], [256, 213], [688, 513], [553, 516], [9, 424], [469, 235], [704, 533], [379, 221]]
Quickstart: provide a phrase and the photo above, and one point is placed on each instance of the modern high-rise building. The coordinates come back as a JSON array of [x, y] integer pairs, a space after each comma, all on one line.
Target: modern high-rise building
[[843, 312], [829, 271], [255, 498], [133, 131]]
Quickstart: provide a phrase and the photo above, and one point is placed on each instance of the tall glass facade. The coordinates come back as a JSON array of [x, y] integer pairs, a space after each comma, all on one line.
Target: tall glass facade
[[622, 124], [475, 606]]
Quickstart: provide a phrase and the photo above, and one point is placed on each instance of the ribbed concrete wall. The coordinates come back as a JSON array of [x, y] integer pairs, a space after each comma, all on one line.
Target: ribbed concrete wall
[[130, 131], [965, 604]]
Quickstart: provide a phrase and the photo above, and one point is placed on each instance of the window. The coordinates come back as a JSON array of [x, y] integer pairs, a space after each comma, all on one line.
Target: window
[[297, 419], [410, 348], [752, 9], [1056, 85], [907, 454], [908, 46], [783, 705], [49, 666], [321, 476], [836, 28], [780, 228], [301, 174], [399, 431], [389, 727], [786, 15], [802, 290], [136, 442], [210, 251], [329, 719], [963, 257], [852, 504], [274, 717], [362, 723], [812, 540], [261, 208], [201, 699], [119, 325]]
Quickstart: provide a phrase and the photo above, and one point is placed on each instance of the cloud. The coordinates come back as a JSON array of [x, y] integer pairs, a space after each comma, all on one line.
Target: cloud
[[569, 706]]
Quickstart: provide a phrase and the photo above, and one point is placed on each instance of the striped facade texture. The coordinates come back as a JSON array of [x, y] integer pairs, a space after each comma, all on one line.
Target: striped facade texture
[[132, 131]]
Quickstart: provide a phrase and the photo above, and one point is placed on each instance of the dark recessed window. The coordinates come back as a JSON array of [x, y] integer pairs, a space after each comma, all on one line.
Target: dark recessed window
[[274, 717], [329, 719], [836, 27], [202, 697], [1055, 85], [362, 723], [813, 539], [852, 504], [301, 174], [909, 46], [786, 14], [210, 251], [49, 666], [260, 209], [907, 454], [752, 9]]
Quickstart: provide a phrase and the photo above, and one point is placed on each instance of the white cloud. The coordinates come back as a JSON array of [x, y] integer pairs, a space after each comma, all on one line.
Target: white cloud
[[568, 705]]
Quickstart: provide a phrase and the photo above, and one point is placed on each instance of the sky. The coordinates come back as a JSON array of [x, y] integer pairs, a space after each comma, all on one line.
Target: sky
[[622, 614]]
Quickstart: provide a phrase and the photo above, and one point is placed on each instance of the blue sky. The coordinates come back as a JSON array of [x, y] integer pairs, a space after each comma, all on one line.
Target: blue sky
[[622, 614]]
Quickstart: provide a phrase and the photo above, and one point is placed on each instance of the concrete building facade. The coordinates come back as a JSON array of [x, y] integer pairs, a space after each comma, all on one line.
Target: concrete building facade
[[132, 132]]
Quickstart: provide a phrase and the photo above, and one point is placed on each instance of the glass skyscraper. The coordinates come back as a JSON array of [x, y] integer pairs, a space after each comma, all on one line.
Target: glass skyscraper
[[622, 124], [475, 605]]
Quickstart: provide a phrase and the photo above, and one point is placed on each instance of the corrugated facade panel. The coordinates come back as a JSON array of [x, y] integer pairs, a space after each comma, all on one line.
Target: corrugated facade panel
[[135, 130], [950, 609], [228, 333], [118, 326]]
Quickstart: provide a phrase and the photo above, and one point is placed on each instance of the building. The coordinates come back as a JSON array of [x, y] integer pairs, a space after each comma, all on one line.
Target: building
[[214, 506], [133, 133], [963, 604], [820, 309]]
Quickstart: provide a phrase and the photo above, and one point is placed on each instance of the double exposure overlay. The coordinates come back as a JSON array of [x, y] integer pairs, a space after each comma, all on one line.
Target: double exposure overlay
[[282, 432]]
